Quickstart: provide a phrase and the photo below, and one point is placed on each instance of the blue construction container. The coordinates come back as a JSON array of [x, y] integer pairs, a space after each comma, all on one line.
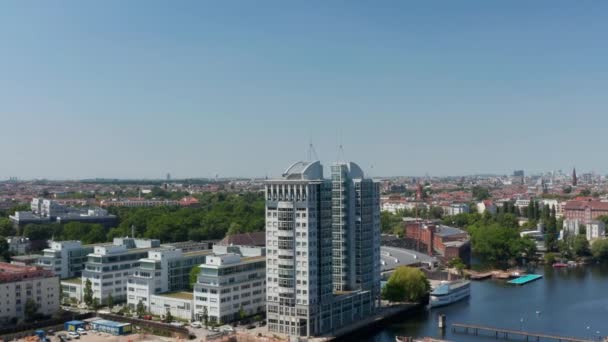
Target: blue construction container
[[114, 328], [73, 325]]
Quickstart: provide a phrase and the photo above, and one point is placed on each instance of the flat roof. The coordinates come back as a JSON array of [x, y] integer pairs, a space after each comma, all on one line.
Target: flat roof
[[75, 280], [393, 257], [26, 257], [110, 323], [201, 252], [178, 295]]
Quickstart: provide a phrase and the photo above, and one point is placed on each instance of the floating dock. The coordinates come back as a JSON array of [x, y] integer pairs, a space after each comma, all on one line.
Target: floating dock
[[525, 279]]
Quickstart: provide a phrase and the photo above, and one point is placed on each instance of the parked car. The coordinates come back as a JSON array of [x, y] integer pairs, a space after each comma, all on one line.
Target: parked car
[[177, 324], [73, 334], [147, 317], [251, 326], [81, 331], [196, 325], [226, 328]]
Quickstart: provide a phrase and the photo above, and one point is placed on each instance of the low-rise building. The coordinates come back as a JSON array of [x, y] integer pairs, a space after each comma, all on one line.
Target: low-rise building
[[137, 203], [229, 285], [595, 230], [109, 266], [18, 245], [162, 270], [457, 208], [65, 258], [571, 227], [441, 240], [20, 284], [25, 260], [486, 205], [585, 210], [46, 210], [179, 304], [72, 290]]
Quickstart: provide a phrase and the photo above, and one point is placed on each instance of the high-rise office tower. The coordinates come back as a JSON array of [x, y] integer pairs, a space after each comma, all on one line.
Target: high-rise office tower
[[322, 235], [355, 228]]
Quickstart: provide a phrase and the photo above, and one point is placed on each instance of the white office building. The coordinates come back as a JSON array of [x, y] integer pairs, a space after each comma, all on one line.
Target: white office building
[[322, 236], [595, 230], [65, 258], [231, 284], [18, 245], [163, 270], [109, 266]]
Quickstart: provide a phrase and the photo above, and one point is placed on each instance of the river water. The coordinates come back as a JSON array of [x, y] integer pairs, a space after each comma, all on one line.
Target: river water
[[570, 302]]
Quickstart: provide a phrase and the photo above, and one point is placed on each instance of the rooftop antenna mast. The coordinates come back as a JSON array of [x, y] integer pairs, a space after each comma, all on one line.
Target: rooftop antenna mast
[[312, 152]]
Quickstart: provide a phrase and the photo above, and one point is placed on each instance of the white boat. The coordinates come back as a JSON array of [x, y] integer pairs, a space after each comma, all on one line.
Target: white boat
[[449, 292]]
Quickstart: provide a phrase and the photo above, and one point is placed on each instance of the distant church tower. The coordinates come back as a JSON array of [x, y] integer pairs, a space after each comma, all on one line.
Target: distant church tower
[[574, 180]]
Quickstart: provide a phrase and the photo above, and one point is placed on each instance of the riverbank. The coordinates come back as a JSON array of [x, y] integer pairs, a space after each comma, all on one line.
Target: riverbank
[[565, 302], [385, 315]]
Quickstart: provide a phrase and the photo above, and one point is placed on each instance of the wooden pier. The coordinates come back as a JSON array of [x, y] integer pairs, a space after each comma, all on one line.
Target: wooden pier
[[508, 333]]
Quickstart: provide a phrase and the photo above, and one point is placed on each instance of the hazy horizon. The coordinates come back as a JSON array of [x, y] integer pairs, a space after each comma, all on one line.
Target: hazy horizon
[[138, 89]]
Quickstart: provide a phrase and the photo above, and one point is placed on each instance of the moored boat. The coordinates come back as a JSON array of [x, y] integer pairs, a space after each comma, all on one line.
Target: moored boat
[[450, 292]]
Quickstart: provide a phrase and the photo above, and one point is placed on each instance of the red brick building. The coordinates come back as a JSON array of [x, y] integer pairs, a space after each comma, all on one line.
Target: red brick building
[[443, 241], [585, 210]]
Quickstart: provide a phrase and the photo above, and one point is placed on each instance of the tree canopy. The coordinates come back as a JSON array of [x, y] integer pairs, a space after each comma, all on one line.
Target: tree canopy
[[218, 214], [406, 284], [599, 249]]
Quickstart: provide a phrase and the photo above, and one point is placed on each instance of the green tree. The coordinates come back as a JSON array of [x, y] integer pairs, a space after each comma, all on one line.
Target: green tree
[[406, 284], [95, 305], [5, 253], [205, 316], [31, 309], [599, 249], [457, 264], [88, 292], [550, 258], [6, 227], [168, 316], [194, 272], [110, 301], [480, 193], [580, 246], [242, 313], [141, 310]]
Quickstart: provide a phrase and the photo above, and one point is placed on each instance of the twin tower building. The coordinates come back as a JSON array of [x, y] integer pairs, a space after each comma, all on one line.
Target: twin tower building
[[322, 247]]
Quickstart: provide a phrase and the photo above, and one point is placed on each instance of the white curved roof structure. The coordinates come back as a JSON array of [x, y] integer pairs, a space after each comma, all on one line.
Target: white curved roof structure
[[353, 169], [304, 170]]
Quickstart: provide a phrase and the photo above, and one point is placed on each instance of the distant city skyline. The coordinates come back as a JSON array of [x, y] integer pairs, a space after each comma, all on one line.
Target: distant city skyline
[[140, 89], [565, 172]]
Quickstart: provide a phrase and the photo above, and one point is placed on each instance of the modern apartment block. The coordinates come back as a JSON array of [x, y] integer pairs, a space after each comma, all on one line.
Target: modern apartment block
[[230, 282], [65, 259], [20, 284], [323, 248], [162, 270]]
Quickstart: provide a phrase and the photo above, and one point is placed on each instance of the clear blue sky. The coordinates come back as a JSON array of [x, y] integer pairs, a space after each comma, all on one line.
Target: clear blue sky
[[238, 88]]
